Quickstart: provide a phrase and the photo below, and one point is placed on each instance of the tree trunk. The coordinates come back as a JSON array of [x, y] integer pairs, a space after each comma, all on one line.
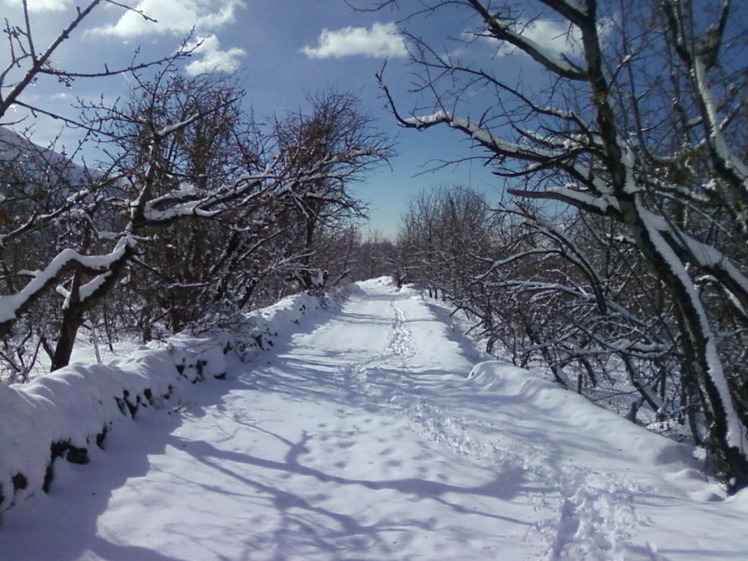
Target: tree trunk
[[72, 319], [703, 367]]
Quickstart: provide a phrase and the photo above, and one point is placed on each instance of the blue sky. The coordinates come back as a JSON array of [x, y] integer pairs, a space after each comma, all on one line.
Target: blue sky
[[282, 49]]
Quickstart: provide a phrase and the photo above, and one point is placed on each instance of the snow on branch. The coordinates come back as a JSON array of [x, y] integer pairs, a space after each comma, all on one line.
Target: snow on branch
[[701, 254], [657, 230], [599, 200], [501, 29], [562, 158], [482, 136], [597, 204], [13, 304]]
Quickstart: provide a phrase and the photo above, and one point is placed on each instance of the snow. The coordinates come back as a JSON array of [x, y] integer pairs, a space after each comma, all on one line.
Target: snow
[[170, 129], [76, 405], [10, 304], [373, 431]]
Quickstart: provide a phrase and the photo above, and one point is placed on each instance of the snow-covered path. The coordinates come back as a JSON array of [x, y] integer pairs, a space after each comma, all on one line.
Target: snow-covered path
[[362, 437]]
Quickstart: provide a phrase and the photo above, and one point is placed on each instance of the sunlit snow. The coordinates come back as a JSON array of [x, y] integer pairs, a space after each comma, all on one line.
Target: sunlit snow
[[375, 432]]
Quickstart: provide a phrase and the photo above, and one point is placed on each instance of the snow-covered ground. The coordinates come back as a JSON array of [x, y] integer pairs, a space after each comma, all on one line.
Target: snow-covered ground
[[368, 433]]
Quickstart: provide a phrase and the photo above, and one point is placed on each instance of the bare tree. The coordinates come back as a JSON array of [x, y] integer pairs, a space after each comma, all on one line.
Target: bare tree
[[335, 144], [198, 206], [44, 197], [49, 198], [180, 273], [146, 201], [27, 63], [602, 139]]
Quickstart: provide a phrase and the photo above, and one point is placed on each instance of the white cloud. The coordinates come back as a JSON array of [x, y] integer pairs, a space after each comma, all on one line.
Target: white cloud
[[173, 16], [40, 5], [552, 36], [210, 57], [382, 40]]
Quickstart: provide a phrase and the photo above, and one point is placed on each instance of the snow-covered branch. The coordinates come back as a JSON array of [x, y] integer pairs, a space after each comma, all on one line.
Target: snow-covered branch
[[502, 30], [14, 304]]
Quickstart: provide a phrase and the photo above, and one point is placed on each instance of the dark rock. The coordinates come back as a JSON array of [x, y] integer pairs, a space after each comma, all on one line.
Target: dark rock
[[19, 482], [77, 455]]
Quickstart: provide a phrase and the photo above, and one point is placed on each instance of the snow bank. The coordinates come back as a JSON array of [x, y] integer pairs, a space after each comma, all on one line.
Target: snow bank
[[541, 396], [63, 414]]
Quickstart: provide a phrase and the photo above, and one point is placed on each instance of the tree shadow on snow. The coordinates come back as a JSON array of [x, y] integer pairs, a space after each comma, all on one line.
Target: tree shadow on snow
[[62, 525], [304, 524]]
